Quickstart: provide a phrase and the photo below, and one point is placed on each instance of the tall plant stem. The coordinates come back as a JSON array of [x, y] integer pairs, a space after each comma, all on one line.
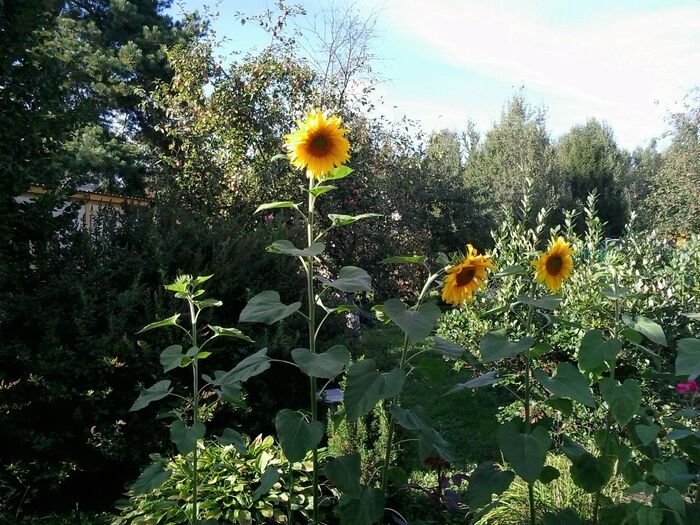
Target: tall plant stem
[[195, 409], [312, 338], [528, 424], [402, 363]]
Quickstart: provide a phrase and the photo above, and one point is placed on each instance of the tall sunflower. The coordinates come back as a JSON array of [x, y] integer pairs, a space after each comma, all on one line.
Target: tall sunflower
[[555, 265], [318, 144], [466, 277]]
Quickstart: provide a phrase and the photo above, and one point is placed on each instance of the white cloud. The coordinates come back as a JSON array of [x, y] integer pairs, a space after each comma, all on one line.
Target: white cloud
[[628, 69]]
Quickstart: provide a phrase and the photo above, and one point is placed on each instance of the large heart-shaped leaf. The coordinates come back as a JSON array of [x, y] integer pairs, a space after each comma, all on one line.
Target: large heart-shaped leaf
[[646, 327], [416, 324], [494, 346], [366, 386], [251, 366], [595, 353], [153, 393], [171, 357], [153, 476], [568, 382], [267, 481], [367, 508], [485, 481], [623, 399], [344, 472], [184, 437], [343, 220], [450, 349], [287, 248], [526, 453], [647, 433], [430, 441], [592, 473], [350, 279], [231, 437], [673, 473], [688, 358], [267, 308], [326, 365], [297, 436]]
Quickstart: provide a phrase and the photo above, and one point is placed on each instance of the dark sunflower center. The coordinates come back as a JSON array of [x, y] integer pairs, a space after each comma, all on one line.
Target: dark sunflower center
[[465, 276], [320, 145], [554, 264]]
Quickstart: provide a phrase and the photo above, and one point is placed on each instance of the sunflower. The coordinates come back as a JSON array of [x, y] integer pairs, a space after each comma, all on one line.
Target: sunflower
[[555, 265], [466, 277], [319, 144]]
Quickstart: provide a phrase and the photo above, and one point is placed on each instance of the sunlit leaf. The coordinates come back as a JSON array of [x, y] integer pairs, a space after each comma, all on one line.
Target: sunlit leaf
[[275, 205], [350, 279], [165, 322], [326, 365], [416, 324], [344, 220], [494, 346], [404, 259], [153, 393], [287, 248], [184, 437], [267, 308]]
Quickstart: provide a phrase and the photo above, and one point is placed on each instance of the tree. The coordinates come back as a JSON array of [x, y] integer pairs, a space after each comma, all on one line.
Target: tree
[[588, 159]]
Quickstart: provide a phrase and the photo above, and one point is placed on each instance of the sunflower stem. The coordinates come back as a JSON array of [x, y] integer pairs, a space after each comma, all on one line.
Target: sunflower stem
[[528, 424]]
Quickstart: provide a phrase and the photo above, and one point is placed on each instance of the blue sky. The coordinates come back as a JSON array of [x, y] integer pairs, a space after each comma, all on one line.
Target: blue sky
[[444, 62]]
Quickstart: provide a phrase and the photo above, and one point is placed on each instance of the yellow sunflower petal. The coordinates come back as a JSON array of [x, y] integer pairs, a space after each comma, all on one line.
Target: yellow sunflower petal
[[318, 145]]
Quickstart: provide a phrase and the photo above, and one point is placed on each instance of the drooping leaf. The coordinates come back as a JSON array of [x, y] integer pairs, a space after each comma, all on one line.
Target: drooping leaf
[[366, 386], [623, 399], [274, 206], [184, 437], [449, 349], [673, 473], [404, 259], [350, 279], [296, 435], [526, 453], [592, 473], [171, 357], [489, 378], [688, 358], [646, 327], [170, 321], [220, 331], [547, 302], [344, 220], [494, 346], [344, 472], [486, 480], [326, 365], [267, 308], [673, 500], [252, 365], [286, 247], [153, 476], [153, 393], [231, 437], [416, 324], [430, 441], [568, 382], [267, 481], [365, 509], [595, 353]]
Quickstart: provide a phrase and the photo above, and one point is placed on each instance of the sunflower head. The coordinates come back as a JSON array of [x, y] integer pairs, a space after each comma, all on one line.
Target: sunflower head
[[318, 144], [555, 265], [466, 277]]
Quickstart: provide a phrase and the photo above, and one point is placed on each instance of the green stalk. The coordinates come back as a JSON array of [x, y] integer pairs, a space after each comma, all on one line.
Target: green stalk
[[290, 512], [528, 425], [195, 409], [312, 339]]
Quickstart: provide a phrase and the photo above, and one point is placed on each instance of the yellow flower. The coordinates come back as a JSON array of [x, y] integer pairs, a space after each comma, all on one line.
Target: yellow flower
[[466, 277], [319, 144], [555, 265]]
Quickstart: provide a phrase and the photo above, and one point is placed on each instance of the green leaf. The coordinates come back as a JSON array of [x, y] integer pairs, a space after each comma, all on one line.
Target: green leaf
[[350, 279], [344, 220], [693, 315], [275, 205], [184, 437], [267, 481], [171, 357], [568, 382], [153, 476], [595, 353], [338, 173], [489, 378], [365, 509], [539, 349], [165, 322], [546, 302], [287, 248], [297, 436], [404, 259], [231, 437], [220, 331], [344, 472], [549, 474], [591, 473], [267, 308], [416, 324], [647, 515], [688, 357], [253, 365], [646, 327], [430, 441], [208, 303], [526, 453], [567, 516], [449, 349], [153, 393], [515, 269], [442, 259], [494, 346], [673, 500], [485, 481], [366, 386], [320, 190], [615, 292], [623, 399], [326, 365], [201, 279], [647, 433], [673, 473]]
